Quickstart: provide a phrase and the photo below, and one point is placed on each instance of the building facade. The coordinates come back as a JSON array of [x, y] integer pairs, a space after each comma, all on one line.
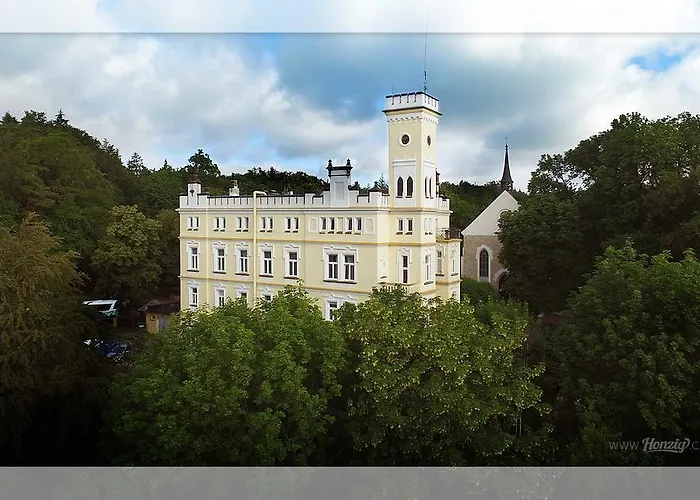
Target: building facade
[[341, 244], [482, 248]]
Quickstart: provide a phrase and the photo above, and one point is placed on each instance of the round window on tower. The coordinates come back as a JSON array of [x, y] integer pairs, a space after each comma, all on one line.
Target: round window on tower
[[430, 141], [405, 139]]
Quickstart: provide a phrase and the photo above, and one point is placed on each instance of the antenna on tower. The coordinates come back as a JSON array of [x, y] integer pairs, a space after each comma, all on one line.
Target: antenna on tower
[[425, 54]]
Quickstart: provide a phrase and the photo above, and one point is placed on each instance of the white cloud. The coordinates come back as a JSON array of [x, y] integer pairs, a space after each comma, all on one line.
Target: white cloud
[[168, 95]]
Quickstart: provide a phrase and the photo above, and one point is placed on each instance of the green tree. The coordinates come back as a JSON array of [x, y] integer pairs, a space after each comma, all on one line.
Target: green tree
[[544, 249], [8, 119], [477, 292], [628, 353], [46, 374], [231, 386], [135, 165], [169, 243], [127, 256], [439, 383]]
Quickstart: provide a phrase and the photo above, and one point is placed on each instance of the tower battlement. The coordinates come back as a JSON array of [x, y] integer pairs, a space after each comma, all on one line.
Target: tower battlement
[[411, 100]]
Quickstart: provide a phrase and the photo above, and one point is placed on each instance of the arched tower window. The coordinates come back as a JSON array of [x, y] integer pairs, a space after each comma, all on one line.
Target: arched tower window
[[484, 264], [409, 187], [399, 188]]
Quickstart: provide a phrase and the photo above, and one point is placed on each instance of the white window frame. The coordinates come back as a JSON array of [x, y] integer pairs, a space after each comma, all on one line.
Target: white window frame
[[242, 263], [349, 268], [323, 226], [266, 296], [358, 225], [242, 224], [295, 226], [193, 223], [270, 224], [401, 267], [288, 261], [219, 258], [440, 262], [331, 224], [340, 264], [336, 266], [263, 261], [428, 263], [399, 226], [240, 293], [193, 257], [220, 296], [348, 224], [193, 296], [219, 223], [409, 225], [453, 263], [330, 310], [263, 223], [287, 224]]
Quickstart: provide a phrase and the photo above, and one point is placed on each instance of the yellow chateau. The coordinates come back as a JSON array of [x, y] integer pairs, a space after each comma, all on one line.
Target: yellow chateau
[[340, 244]]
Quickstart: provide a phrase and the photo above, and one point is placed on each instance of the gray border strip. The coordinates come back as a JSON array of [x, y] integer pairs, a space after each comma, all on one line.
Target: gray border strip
[[348, 483]]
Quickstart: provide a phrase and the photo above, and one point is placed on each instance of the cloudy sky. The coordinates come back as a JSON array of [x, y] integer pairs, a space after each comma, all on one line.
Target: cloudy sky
[[314, 90]]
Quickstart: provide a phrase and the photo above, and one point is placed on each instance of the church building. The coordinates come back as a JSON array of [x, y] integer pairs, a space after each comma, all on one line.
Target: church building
[[480, 257]]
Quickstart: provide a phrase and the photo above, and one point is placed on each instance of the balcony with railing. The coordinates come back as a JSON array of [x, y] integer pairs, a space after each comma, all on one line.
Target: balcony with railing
[[448, 234]]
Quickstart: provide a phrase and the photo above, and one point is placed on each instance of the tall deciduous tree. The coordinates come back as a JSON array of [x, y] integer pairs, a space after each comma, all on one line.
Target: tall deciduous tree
[[127, 256], [45, 371], [435, 384], [231, 386], [628, 355]]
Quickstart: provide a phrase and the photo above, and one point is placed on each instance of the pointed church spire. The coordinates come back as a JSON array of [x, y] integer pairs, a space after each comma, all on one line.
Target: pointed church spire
[[506, 180]]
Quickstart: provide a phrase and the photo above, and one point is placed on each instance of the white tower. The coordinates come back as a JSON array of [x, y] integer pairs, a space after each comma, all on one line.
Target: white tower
[[413, 120]]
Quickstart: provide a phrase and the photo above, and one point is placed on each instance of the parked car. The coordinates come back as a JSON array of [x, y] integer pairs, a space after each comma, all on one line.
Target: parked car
[[112, 349]]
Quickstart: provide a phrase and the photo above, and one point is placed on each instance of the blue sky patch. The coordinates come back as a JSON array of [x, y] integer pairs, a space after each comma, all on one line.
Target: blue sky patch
[[658, 61]]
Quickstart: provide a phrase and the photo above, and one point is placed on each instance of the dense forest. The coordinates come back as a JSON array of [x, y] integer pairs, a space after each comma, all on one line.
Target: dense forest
[[604, 238]]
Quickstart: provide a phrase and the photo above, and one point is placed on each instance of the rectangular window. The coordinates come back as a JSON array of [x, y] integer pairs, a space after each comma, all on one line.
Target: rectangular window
[[358, 224], [267, 262], [194, 259], [287, 224], [453, 258], [243, 295], [404, 269], [331, 224], [263, 223], [293, 264], [428, 269], [194, 296], [332, 267], [241, 223], [439, 262], [324, 224], [193, 223], [267, 297], [409, 226], [399, 228], [220, 297], [220, 260], [348, 224], [349, 268], [332, 308], [295, 227], [219, 223], [269, 224], [243, 261]]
